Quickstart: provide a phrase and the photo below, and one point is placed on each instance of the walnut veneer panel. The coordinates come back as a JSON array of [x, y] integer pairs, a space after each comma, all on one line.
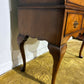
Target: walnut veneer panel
[[79, 2], [74, 22], [83, 23]]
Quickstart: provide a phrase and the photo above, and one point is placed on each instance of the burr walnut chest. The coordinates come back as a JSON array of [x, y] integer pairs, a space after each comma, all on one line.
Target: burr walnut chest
[[52, 20]]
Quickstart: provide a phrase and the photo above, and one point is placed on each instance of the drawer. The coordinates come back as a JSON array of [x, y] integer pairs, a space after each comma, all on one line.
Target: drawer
[[73, 24], [78, 2], [41, 2], [83, 23]]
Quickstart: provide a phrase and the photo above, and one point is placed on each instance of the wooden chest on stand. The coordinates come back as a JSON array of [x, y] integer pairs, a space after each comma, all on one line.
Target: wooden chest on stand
[[52, 20]]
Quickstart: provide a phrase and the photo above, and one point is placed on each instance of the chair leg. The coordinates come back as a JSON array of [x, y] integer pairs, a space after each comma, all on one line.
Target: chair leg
[[80, 56], [57, 54], [21, 40]]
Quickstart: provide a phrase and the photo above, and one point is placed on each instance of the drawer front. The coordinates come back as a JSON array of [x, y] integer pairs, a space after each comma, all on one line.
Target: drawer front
[[40, 1], [73, 24], [78, 2], [83, 23]]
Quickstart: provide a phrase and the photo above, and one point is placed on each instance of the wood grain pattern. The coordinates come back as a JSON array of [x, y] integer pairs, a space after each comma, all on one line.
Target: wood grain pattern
[[79, 2], [83, 23], [71, 22], [40, 22]]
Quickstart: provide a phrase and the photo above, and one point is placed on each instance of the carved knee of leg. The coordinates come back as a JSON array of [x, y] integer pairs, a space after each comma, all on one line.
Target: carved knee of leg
[[21, 39], [57, 51]]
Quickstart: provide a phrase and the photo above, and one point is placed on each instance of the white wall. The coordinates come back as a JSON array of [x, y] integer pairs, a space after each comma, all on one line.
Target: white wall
[[5, 41]]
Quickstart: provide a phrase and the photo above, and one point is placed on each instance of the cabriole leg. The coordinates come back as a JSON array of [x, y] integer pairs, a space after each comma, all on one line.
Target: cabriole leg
[[57, 54], [80, 56], [21, 40]]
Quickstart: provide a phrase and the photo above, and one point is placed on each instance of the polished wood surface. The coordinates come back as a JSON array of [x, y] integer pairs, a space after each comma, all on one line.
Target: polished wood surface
[[21, 40], [74, 22], [54, 21], [43, 20], [57, 54], [83, 23], [78, 2]]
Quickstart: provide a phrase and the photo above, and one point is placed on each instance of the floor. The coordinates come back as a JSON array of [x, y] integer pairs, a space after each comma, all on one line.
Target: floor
[[39, 70]]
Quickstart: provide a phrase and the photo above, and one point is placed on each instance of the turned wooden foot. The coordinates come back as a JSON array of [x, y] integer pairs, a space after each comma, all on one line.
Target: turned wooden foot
[[21, 40], [57, 53], [80, 56]]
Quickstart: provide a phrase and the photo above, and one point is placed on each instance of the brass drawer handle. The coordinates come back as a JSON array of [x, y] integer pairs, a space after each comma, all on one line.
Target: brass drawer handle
[[75, 24]]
